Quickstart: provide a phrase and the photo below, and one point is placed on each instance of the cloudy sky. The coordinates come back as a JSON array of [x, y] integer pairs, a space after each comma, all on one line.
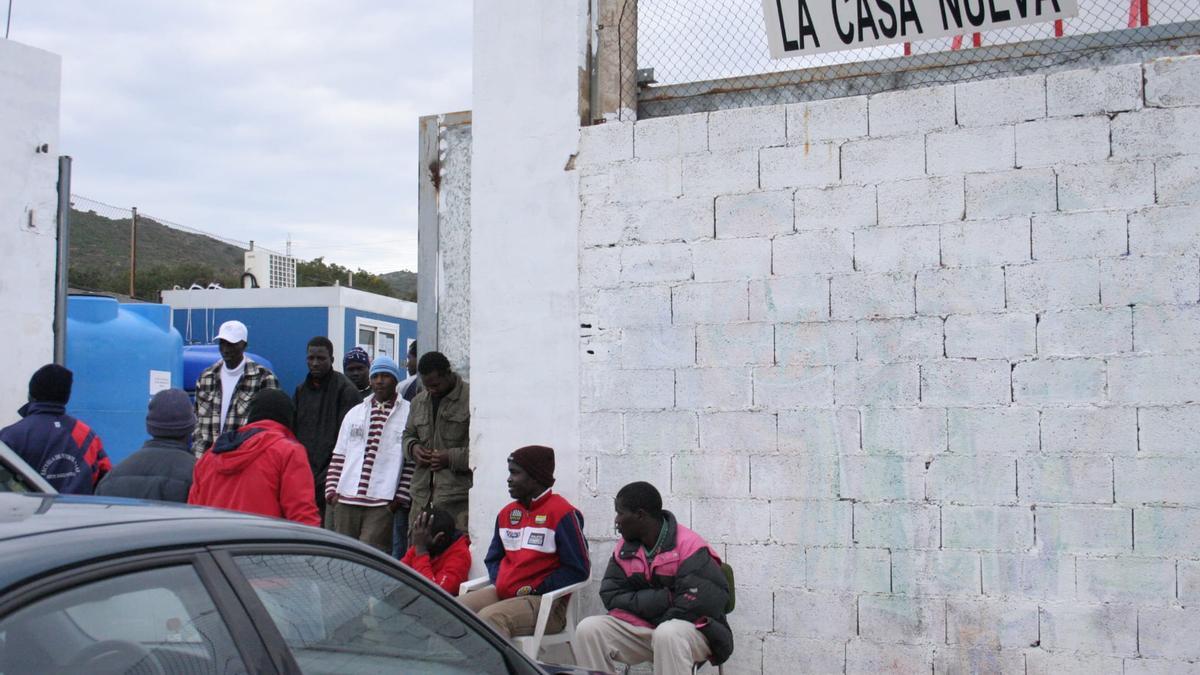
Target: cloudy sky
[[256, 119]]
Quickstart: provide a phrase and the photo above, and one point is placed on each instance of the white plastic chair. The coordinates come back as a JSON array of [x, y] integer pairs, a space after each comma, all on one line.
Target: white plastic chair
[[532, 644]]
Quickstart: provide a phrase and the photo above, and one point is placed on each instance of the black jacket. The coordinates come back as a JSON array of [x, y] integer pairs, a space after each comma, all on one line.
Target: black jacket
[[320, 407], [161, 469]]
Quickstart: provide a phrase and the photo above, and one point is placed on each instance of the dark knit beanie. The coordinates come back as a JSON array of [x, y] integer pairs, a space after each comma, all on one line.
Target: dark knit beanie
[[170, 415], [538, 462], [272, 404], [51, 383]]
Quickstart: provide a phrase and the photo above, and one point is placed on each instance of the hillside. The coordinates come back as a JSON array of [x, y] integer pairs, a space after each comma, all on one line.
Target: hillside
[[404, 283]]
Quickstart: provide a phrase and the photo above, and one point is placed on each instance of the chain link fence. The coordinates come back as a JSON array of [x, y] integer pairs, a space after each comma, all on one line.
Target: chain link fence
[[692, 45]]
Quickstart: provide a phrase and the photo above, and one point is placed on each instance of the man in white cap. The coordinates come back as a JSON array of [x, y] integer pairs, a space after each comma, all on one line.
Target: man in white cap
[[224, 389]]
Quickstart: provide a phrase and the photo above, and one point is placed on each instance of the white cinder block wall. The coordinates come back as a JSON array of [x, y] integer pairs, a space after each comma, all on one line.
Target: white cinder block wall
[[922, 365]]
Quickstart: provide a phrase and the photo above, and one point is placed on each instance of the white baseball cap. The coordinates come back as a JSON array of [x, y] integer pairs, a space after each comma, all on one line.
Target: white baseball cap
[[232, 331]]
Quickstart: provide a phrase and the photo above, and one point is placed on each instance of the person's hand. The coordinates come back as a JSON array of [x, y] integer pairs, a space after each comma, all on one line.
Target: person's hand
[[438, 460], [422, 454], [331, 499], [418, 534], [394, 505]]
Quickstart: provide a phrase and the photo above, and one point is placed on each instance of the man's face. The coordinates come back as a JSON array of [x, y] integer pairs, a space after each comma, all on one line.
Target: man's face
[[359, 374], [320, 361], [628, 523], [411, 364], [521, 486], [232, 352], [437, 384], [384, 386]]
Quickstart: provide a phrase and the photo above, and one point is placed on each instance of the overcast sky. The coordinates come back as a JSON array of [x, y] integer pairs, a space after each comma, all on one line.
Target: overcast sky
[[253, 119]]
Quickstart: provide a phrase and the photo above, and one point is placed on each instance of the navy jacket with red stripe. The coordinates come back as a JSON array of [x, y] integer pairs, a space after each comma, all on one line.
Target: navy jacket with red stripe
[[64, 450], [538, 549]]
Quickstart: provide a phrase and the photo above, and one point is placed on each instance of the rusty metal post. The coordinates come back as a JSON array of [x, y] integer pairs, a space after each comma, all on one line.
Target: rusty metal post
[[616, 85]]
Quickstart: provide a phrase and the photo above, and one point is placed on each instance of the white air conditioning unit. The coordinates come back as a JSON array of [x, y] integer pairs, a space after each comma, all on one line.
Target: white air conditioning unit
[[271, 270]]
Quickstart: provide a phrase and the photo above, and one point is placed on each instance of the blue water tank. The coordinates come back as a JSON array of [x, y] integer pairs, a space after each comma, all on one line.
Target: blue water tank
[[121, 355], [198, 357]]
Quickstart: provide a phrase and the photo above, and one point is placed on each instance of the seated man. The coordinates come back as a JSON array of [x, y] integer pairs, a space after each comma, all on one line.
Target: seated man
[[439, 552], [664, 591], [537, 547]]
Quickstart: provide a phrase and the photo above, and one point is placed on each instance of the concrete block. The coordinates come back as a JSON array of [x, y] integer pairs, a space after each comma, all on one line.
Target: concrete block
[[960, 290], [814, 344], [909, 111], [1011, 193], [1169, 632], [1166, 230], [808, 523], [998, 624], [812, 431], [604, 143], [848, 569], [872, 657], [680, 219], [599, 268], [732, 259], [777, 387], [845, 207], [1160, 667], [1167, 531], [1003, 100], [1176, 179], [726, 521], [735, 344], [713, 476], [935, 573], [987, 528], [1038, 662], [1095, 90], [621, 307], [713, 388], [1039, 576], [828, 120], [1154, 132], [663, 432], [672, 136], [826, 616], [1158, 480], [1050, 285], [1165, 328], [1080, 234], [967, 479], [904, 431], [1105, 185], [640, 389], [802, 298], [875, 160], [777, 566], [965, 382], [808, 252], [970, 150], [658, 347], [747, 660], [755, 214], [708, 302], [637, 180], [981, 243], [616, 472], [873, 383], [1150, 281], [951, 661], [1099, 431], [1069, 480], [868, 296], [921, 201], [1090, 629], [800, 166], [1172, 81], [1172, 431], [806, 476], [900, 339], [881, 478], [720, 173], [1084, 528], [907, 526], [1085, 332], [742, 128], [738, 432], [902, 619], [1125, 579], [984, 431], [1052, 142], [782, 654], [897, 249], [1187, 581], [600, 434], [1009, 335], [1154, 379], [1059, 381]]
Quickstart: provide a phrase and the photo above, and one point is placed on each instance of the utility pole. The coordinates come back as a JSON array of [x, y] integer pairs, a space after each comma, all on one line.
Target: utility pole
[[133, 253]]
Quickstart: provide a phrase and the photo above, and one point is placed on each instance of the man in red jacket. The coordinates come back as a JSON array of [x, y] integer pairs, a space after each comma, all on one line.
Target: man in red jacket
[[439, 552], [259, 468]]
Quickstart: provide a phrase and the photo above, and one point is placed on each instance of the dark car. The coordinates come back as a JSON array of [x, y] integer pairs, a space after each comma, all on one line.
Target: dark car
[[94, 585]]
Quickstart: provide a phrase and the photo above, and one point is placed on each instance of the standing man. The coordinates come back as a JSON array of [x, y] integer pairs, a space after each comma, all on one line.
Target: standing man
[[664, 591], [64, 450], [356, 364], [162, 468], [224, 389], [322, 400], [537, 547], [368, 478], [410, 387], [436, 437]]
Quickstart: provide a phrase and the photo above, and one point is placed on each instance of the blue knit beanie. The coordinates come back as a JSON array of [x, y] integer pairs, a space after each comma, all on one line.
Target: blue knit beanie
[[385, 364]]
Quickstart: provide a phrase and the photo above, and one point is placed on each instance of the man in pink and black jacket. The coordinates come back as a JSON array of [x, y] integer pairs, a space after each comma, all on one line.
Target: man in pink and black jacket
[[664, 591]]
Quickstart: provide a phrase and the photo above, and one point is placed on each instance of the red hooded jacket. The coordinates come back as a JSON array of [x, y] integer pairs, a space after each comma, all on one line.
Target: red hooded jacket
[[260, 468], [447, 570]]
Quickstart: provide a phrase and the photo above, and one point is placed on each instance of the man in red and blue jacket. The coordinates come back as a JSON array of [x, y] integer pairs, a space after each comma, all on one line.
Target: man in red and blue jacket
[[64, 450], [537, 547]]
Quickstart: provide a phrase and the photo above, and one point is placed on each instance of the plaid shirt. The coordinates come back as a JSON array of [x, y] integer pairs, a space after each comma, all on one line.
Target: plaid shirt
[[208, 402]]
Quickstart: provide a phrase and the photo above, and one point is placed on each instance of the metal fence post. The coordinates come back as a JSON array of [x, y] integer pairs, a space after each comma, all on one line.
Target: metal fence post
[[616, 61], [62, 270]]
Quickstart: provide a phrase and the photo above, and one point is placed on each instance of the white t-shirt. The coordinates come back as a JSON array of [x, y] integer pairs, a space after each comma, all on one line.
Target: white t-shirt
[[229, 380]]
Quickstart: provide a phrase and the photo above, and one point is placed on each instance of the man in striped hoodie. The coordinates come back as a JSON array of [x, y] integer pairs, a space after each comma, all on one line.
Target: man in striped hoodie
[[368, 477]]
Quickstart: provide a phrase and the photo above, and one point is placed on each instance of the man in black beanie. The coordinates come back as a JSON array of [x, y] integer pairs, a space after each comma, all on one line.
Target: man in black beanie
[[64, 450], [162, 468]]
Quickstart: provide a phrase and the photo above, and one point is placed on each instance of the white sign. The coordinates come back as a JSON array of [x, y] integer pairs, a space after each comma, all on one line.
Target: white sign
[[801, 27], [159, 380]]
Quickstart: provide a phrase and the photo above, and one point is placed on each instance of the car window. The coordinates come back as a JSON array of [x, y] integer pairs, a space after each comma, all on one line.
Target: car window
[[339, 616], [152, 621], [12, 482]]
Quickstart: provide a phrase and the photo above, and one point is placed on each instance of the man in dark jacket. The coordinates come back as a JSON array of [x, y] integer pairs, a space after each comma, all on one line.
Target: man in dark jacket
[[162, 468], [322, 400], [664, 591], [64, 450]]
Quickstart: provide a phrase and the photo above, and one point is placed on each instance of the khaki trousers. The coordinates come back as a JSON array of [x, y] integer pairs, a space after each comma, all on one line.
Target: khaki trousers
[[517, 616], [674, 646], [372, 525]]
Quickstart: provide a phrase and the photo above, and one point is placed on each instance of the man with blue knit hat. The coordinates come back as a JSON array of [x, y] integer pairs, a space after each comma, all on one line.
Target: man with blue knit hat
[[368, 479]]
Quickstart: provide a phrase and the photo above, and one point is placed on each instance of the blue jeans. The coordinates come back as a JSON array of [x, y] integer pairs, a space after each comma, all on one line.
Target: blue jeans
[[400, 533]]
